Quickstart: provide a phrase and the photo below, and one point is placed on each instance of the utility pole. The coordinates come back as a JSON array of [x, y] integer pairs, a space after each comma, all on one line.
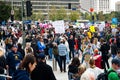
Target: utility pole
[[12, 4], [22, 15], [12, 12]]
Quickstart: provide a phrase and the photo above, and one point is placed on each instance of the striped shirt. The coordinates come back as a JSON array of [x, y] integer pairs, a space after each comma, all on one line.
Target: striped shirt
[[62, 49]]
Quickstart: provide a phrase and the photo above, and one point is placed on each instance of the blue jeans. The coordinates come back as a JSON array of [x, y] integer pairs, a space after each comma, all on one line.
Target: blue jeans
[[57, 58], [67, 57], [50, 52], [71, 52]]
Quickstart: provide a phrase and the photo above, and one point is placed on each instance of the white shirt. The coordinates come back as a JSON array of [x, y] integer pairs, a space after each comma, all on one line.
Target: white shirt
[[67, 45], [96, 71]]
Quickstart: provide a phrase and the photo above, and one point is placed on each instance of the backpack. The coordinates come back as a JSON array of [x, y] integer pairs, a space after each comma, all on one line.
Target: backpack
[[104, 76], [55, 51]]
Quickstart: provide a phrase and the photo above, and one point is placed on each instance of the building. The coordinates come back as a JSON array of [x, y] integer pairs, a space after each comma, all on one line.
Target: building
[[97, 5], [113, 5], [45, 5], [117, 6]]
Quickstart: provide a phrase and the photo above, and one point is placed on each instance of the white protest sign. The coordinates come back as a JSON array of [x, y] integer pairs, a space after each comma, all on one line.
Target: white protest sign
[[59, 26]]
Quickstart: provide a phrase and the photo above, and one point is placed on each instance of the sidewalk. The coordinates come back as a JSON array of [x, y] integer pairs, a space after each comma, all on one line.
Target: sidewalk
[[59, 75], [64, 75]]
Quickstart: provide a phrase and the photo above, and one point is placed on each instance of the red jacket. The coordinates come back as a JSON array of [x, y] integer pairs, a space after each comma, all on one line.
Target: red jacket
[[98, 59], [76, 44]]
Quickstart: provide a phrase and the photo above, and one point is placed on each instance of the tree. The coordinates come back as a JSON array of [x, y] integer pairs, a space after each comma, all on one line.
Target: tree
[[117, 15], [37, 16], [87, 16], [101, 16], [5, 11], [95, 16], [61, 14], [107, 17], [82, 16], [17, 14], [53, 13], [74, 15], [32, 17], [112, 14]]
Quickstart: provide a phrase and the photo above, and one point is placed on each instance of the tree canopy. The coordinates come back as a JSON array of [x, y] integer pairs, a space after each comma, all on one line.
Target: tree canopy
[[5, 11]]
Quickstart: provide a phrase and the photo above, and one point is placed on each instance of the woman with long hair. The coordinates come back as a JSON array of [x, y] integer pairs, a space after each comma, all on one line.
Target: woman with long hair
[[25, 68], [73, 68]]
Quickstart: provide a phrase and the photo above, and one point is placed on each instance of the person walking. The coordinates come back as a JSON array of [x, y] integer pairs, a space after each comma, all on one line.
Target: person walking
[[105, 51], [71, 46], [62, 49]]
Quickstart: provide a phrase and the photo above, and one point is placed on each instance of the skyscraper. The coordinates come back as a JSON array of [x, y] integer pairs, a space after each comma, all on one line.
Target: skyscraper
[[117, 6]]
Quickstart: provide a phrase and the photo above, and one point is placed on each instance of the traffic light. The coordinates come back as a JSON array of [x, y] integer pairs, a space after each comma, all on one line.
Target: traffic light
[[28, 8], [93, 17], [12, 18], [69, 5]]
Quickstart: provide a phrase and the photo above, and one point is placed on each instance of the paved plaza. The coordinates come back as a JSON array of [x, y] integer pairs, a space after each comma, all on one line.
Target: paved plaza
[[63, 75]]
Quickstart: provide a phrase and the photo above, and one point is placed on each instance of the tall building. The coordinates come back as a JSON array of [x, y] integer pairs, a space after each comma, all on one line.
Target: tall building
[[97, 5], [45, 5], [117, 6]]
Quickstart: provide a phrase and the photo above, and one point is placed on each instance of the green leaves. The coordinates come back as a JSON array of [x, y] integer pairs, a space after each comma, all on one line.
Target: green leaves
[[5, 11]]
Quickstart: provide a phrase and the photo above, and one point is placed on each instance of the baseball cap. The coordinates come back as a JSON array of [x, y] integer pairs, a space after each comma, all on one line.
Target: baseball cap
[[15, 46], [116, 61], [41, 56]]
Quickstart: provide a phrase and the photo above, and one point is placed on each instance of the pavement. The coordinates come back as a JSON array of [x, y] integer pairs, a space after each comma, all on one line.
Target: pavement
[[64, 75], [59, 75]]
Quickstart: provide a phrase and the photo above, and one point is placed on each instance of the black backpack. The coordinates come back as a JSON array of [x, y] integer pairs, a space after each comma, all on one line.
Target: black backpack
[[104, 76]]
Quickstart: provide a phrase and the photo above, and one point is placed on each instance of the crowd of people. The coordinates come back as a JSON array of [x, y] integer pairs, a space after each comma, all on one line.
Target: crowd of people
[[29, 62]]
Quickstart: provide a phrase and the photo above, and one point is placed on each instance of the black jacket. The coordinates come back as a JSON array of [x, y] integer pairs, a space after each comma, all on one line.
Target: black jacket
[[42, 72], [73, 69], [105, 49], [2, 64]]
